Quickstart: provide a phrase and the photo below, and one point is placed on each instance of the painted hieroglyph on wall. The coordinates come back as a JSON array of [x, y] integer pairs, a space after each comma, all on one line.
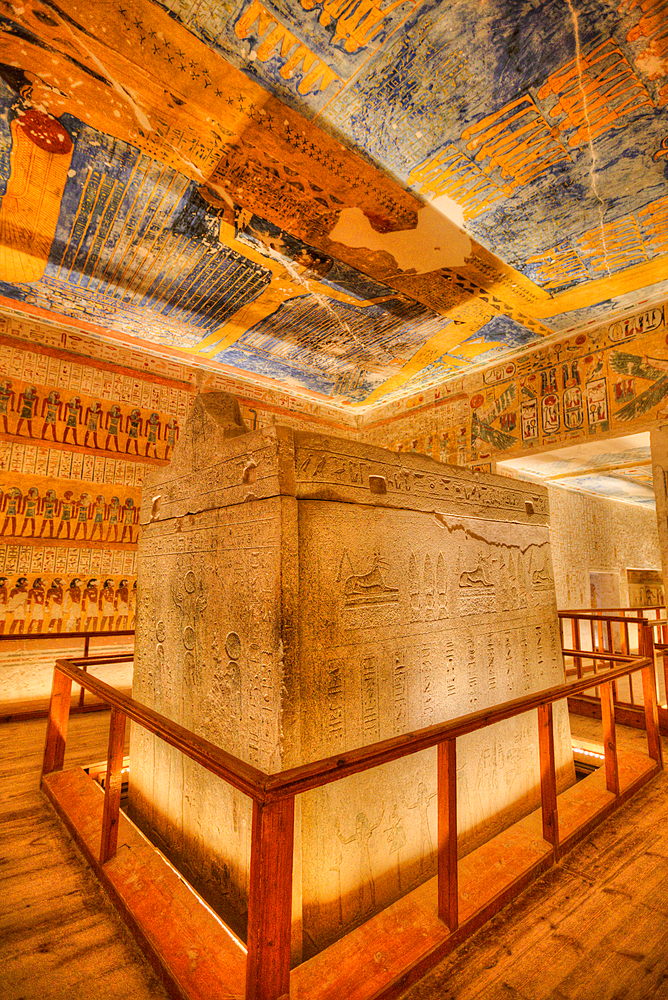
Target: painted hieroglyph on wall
[[606, 382]]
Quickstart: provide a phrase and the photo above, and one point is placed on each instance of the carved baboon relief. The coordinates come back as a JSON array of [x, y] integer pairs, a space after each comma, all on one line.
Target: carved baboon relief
[[477, 577]]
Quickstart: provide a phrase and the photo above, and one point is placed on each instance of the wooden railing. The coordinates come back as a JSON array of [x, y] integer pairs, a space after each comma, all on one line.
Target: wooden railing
[[599, 632], [273, 795], [67, 636]]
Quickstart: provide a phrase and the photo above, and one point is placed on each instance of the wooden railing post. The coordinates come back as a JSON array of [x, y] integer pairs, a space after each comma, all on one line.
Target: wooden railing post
[[548, 777], [649, 695], [82, 692], [577, 644], [612, 649], [270, 900], [625, 650], [609, 739], [448, 887], [56, 727], [112, 787], [664, 659]]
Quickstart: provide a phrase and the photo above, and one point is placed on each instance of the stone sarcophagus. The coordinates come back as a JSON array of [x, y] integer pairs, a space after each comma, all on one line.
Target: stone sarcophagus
[[301, 595]]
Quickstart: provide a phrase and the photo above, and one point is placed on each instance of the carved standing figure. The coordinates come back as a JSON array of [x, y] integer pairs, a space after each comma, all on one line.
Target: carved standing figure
[[366, 887], [6, 401], [18, 602], [99, 513], [152, 433], [73, 418], [13, 507], [72, 608], [27, 405], [107, 604], [67, 508], [31, 508], [114, 517], [133, 426], [51, 408], [50, 508], [92, 420], [171, 435], [36, 599], [54, 604], [89, 605], [114, 419]]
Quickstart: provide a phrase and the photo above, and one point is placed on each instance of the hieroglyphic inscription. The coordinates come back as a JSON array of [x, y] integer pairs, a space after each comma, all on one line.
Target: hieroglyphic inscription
[[277, 42], [603, 78], [450, 172], [326, 467], [370, 719], [427, 679], [400, 692], [450, 668], [472, 673], [335, 702], [517, 141]]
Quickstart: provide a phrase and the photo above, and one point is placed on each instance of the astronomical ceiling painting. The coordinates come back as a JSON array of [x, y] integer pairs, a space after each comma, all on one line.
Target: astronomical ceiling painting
[[347, 197]]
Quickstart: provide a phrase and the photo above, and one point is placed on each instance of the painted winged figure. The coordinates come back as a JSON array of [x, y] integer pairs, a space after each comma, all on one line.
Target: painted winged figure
[[654, 369]]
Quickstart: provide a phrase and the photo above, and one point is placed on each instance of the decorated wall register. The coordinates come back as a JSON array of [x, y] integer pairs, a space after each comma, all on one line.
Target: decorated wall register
[[302, 595]]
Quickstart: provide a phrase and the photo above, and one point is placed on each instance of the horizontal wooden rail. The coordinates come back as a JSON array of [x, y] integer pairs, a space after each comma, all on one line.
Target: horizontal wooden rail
[[598, 632], [21, 636], [273, 795], [307, 776], [594, 654], [592, 616], [611, 611], [101, 659], [263, 787], [244, 777]]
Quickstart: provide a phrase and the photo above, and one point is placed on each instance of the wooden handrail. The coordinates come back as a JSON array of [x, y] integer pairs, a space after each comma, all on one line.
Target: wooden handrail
[[244, 777], [593, 654], [273, 795], [592, 616], [15, 636], [263, 787], [101, 658], [321, 772], [606, 611]]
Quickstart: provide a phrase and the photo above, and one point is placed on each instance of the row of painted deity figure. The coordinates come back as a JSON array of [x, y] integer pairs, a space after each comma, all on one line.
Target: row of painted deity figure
[[73, 608], [99, 423], [105, 518]]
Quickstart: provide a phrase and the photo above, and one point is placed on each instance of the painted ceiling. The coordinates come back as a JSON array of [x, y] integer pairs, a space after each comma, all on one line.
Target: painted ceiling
[[346, 197], [618, 469]]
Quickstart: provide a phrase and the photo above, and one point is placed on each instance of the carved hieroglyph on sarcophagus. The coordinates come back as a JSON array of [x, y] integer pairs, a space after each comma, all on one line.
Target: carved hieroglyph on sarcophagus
[[300, 596]]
